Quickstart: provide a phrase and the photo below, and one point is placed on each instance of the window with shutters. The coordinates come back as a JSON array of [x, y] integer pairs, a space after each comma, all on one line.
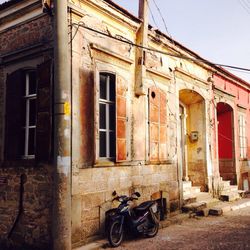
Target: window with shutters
[[28, 114], [157, 125], [242, 136], [107, 116], [112, 128]]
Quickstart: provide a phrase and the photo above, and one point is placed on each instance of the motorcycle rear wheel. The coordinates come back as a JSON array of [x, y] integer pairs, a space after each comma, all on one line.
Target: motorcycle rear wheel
[[153, 231], [114, 236]]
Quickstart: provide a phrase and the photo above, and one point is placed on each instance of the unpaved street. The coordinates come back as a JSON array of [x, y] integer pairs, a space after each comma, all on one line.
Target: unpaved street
[[231, 231]]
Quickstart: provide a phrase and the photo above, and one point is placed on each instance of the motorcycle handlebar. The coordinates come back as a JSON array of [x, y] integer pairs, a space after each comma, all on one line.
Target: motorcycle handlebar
[[126, 198]]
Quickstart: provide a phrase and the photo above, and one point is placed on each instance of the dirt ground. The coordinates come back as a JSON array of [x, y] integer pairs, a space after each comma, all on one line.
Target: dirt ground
[[230, 231]]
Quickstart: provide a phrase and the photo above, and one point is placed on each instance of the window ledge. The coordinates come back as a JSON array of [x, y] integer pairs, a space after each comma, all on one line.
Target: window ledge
[[18, 163], [104, 163]]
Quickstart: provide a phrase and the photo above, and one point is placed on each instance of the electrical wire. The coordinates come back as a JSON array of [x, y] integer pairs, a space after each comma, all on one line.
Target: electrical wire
[[163, 20], [81, 24], [152, 15]]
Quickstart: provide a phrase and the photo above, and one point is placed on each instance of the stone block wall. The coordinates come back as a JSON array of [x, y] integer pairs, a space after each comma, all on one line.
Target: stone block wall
[[33, 227], [93, 187]]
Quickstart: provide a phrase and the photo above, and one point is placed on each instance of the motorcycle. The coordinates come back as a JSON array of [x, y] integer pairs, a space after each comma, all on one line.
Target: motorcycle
[[142, 219]]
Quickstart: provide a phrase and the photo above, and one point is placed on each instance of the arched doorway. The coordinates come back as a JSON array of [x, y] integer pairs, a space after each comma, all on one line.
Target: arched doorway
[[226, 149], [192, 131]]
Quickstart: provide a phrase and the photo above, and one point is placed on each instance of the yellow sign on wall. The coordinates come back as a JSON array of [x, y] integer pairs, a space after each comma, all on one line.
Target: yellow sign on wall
[[66, 108]]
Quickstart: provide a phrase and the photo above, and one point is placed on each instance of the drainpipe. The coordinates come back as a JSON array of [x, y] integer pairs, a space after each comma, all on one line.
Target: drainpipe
[[61, 229]]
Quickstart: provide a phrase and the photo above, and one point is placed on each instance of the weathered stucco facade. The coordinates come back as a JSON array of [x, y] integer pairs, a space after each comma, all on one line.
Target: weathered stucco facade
[[152, 128], [144, 114]]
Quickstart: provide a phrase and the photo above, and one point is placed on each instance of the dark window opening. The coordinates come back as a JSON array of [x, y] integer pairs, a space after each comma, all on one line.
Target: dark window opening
[[107, 116]]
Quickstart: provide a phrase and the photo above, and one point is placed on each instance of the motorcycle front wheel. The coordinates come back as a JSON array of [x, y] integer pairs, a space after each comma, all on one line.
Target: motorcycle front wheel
[[115, 233]]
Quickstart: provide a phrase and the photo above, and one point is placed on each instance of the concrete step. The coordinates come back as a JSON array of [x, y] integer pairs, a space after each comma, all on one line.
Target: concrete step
[[207, 198], [224, 207], [187, 199], [186, 184], [229, 196], [230, 188], [191, 190], [241, 193], [225, 183], [194, 207]]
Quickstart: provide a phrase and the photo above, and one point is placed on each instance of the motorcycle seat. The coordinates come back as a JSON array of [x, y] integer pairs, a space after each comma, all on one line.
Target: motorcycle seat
[[144, 206]]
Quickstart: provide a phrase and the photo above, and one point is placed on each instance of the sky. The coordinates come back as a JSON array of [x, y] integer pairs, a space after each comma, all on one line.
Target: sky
[[218, 30]]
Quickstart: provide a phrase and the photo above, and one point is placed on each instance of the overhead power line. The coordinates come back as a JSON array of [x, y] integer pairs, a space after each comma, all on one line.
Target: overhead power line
[[125, 40], [163, 20]]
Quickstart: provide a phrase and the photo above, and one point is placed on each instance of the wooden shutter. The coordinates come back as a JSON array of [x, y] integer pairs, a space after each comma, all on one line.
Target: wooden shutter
[[157, 125], [15, 85], [121, 119], [154, 108], [44, 119], [163, 127]]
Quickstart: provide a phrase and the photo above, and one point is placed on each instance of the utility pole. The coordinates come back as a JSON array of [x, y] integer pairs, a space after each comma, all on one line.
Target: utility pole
[[142, 39], [61, 220]]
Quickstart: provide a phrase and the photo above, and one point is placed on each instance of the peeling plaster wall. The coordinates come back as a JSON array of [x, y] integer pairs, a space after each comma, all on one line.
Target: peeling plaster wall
[[93, 182], [197, 150]]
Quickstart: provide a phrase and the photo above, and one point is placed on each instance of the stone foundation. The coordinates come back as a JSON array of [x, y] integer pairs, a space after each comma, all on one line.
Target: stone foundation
[[92, 193], [33, 227]]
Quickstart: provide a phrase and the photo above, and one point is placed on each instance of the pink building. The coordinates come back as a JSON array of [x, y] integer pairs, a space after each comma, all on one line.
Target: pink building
[[232, 100]]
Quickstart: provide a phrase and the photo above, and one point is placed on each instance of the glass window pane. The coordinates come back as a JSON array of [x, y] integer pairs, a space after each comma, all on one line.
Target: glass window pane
[[32, 118], [31, 150], [32, 82], [102, 144], [112, 144], [112, 88], [112, 117], [102, 116], [103, 87], [23, 112]]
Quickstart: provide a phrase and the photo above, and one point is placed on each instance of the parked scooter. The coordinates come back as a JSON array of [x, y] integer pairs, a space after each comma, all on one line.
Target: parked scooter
[[142, 219]]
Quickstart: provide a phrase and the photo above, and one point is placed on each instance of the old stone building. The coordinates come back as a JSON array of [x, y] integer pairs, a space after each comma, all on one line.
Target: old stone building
[[26, 53], [93, 99]]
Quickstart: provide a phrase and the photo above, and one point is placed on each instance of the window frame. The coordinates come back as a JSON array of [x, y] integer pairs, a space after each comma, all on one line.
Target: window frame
[[242, 135], [27, 97], [110, 156]]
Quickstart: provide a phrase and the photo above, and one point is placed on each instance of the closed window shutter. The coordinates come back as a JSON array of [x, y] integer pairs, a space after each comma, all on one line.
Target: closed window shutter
[[121, 119], [154, 123], [163, 127], [44, 119], [13, 127]]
